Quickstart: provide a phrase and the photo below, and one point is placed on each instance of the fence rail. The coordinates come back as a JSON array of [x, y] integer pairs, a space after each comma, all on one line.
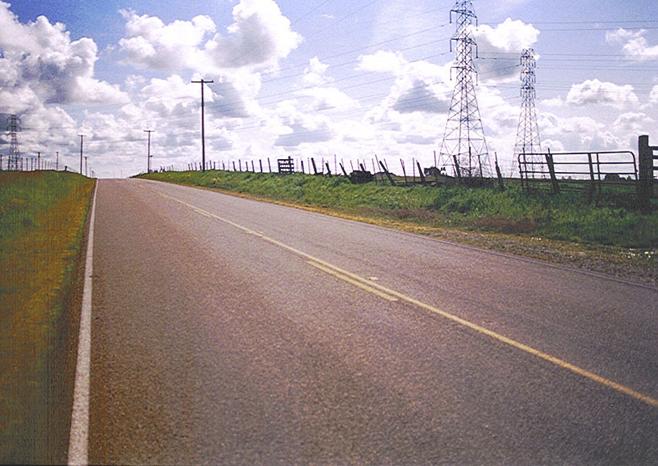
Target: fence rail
[[578, 170], [594, 171]]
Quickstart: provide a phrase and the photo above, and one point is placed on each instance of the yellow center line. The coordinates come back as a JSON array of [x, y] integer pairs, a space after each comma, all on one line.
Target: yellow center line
[[393, 295], [361, 285]]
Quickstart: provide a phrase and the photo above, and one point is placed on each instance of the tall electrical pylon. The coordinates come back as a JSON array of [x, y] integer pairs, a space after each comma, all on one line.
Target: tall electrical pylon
[[527, 134], [464, 146], [13, 126]]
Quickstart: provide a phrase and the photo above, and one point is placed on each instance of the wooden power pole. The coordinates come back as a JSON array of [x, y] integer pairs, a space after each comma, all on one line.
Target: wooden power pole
[[203, 128]]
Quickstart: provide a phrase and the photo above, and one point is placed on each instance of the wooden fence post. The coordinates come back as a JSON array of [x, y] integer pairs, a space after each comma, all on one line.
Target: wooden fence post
[[388, 175], [598, 173], [328, 169], [420, 172], [551, 171], [315, 169], [592, 179], [260, 163], [269, 165], [404, 171], [645, 183], [343, 170], [499, 175], [524, 184], [457, 169]]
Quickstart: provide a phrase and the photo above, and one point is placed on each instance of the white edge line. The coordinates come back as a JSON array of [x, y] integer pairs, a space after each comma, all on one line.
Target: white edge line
[[79, 436]]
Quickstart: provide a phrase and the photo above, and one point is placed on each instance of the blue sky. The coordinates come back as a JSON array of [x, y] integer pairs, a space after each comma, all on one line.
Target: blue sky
[[317, 77]]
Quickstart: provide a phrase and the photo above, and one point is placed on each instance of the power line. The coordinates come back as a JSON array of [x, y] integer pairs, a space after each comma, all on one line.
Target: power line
[[359, 49], [597, 22], [594, 29], [310, 12], [366, 98], [346, 16], [262, 99]]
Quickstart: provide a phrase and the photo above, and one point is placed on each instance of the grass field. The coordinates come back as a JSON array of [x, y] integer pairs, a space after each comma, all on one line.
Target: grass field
[[42, 223], [565, 229], [566, 217]]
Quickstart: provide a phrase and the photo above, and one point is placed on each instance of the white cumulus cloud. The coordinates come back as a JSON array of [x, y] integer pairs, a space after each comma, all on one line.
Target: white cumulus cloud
[[41, 64], [501, 47], [593, 91], [259, 36], [653, 97], [512, 35], [421, 98], [314, 73], [296, 128], [150, 43], [418, 86], [634, 44], [382, 61]]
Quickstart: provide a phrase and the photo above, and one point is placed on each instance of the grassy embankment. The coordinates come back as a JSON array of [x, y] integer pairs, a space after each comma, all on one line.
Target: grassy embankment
[[559, 228], [42, 225]]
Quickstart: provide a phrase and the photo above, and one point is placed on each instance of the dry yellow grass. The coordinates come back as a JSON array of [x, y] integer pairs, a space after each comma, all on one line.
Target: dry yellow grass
[[39, 256]]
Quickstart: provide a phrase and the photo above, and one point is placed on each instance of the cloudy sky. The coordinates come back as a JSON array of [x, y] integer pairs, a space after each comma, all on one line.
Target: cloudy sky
[[315, 78]]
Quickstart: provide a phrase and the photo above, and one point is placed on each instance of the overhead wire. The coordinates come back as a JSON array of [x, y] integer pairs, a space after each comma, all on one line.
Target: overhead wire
[[296, 91]]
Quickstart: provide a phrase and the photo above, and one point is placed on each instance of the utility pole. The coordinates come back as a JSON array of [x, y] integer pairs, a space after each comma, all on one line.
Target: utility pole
[[203, 129], [148, 153], [82, 136], [57, 162]]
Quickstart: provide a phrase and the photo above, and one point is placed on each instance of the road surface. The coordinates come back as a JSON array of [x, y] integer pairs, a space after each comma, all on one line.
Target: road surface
[[231, 331]]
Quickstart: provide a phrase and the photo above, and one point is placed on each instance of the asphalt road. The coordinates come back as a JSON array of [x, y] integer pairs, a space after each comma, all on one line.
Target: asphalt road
[[231, 331]]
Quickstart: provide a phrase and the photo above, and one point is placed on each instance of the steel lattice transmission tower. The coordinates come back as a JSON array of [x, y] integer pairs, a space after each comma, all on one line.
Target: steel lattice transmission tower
[[464, 145], [527, 134], [13, 126]]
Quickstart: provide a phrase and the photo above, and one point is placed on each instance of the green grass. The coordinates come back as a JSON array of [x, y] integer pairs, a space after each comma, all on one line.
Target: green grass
[[42, 218], [563, 217]]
